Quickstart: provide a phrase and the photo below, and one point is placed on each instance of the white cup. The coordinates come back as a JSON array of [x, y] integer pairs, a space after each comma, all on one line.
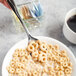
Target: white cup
[[69, 34]]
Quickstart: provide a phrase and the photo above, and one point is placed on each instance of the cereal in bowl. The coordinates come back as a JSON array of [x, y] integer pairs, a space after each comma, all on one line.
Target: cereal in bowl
[[40, 59]]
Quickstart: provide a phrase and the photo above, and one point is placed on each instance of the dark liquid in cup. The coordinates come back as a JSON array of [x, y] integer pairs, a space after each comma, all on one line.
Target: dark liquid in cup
[[72, 23]]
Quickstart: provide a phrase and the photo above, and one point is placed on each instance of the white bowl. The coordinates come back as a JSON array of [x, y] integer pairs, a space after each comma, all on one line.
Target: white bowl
[[23, 44], [69, 34]]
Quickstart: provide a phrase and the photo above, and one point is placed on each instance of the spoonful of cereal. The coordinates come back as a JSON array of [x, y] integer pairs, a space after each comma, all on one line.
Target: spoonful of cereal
[[14, 8]]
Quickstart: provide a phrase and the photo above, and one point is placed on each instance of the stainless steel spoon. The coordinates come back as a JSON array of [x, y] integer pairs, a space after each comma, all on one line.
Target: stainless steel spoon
[[14, 8]]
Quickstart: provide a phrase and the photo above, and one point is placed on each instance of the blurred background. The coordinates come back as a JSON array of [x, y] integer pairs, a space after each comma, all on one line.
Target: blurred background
[[51, 25]]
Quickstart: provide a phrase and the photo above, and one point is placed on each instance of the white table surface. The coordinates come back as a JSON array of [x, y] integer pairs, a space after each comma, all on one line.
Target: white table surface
[[55, 11]]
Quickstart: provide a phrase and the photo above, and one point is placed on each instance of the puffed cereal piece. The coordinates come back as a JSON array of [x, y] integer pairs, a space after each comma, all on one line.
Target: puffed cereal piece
[[45, 70], [43, 47], [49, 51], [50, 68], [15, 59], [26, 54], [20, 65], [23, 60], [50, 46], [21, 52], [29, 73], [67, 58], [15, 54], [12, 63], [63, 53], [52, 73], [8, 67], [35, 54], [39, 69], [56, 67], [45, 51], [60, 73], [41, 53], [42, 57], [18, 71], [56, 53], [23, 73], [61, 68], [70, 64], [35, 59], [30, 48], [68, 71], [32, 42], [63, 59], [35, 45], [53, 48], [51, 63], [50, 57], [65, 64], [38, 42], [56, 59], [11, 70], [35, 73], [56, 47], [17, 50], [29, 57]]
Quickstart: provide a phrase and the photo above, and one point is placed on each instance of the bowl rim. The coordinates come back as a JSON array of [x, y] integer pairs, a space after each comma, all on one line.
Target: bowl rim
[[73, 56]]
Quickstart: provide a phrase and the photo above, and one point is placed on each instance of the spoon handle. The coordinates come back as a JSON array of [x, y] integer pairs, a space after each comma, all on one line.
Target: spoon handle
[[14, 8]]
